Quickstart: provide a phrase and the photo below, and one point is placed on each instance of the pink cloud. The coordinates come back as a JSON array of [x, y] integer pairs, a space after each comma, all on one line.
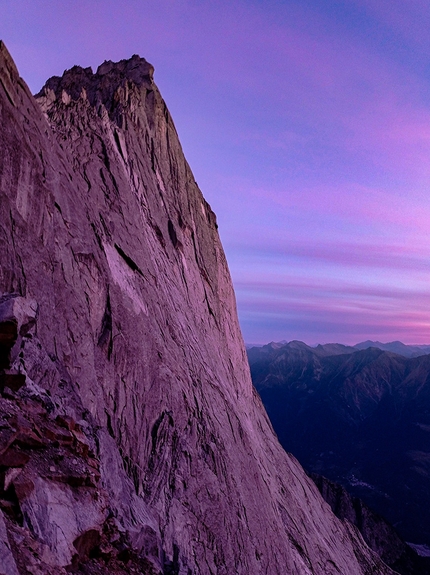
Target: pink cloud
[[332, 313], [355, 217], [355, 255], [337, 290], [368, 104]]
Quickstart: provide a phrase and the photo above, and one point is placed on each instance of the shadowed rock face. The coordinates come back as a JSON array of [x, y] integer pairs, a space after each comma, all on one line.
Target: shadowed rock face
[[378, 534], [137, 348]]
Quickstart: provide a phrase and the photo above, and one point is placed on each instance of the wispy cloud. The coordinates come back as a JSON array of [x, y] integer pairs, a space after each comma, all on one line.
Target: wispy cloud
[[331, 312]]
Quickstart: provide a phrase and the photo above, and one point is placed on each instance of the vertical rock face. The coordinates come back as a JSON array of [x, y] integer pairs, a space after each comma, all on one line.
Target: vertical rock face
[[136, 353]]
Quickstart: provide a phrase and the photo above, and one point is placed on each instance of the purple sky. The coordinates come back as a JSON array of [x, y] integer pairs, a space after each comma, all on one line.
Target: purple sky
[[307, 126]]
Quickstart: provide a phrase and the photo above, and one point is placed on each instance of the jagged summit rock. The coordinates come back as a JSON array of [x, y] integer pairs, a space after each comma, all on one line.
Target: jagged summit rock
[[100, 87], [137, 443]]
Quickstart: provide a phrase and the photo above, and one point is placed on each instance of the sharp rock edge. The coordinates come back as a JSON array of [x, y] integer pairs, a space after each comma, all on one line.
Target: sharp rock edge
[[132, 439]]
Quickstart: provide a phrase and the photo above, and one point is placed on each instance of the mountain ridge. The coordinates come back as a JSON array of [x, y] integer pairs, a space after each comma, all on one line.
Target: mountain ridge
[[407, 350], [360, 418]]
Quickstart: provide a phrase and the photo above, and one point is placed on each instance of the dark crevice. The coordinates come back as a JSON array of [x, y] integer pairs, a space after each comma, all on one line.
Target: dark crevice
[[172, 567], [86, 544], [13, 510], [105, 337], [156, 427], [158, 233], [195, 248], [132, 471], [8, 336], [105, 156], [152, 155], [109, 424], [131, 264], [98, 239], [105, 227], [87, 180], [172, 233], [205, 276], [114, 182], [43, 166], [166, 112], [118, 144], [106, 190], [181, 221], [154, 430], [210, 310], [7, 93]]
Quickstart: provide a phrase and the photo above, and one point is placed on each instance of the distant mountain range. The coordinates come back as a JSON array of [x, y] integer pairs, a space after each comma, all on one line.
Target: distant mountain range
[[358, 415], [396, 347], [393, 346]]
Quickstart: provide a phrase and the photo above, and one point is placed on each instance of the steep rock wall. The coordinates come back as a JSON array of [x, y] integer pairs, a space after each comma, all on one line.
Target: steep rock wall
[[137, 339]]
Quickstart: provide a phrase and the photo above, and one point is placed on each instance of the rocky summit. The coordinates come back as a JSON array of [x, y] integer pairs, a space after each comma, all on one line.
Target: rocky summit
[[131, 438]]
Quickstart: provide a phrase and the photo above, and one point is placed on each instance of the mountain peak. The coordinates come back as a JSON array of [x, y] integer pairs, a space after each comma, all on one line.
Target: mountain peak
[[111, 84], [135, 68]]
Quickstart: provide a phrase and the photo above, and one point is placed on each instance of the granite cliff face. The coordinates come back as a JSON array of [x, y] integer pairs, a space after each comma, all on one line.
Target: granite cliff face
[[132, 439]]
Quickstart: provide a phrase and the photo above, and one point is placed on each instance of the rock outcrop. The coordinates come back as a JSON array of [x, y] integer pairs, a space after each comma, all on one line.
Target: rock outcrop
[[134, 440]]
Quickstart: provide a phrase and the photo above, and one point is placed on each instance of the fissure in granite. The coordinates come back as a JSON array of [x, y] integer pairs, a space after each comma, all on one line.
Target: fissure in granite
[[136, 348]]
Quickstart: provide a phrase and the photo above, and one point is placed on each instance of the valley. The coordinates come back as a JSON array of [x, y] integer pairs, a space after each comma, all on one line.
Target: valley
[[360, 417]]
